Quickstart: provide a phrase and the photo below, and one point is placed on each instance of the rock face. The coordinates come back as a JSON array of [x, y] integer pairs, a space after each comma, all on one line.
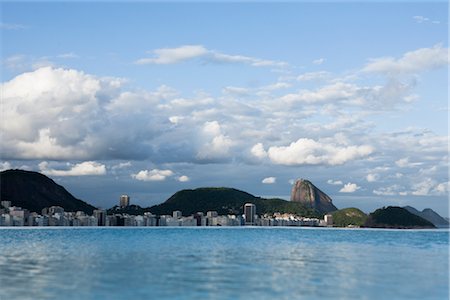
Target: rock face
[[306, 193]]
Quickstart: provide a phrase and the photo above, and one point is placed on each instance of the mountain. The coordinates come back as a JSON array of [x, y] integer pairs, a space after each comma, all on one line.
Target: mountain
[[35, 191], [396, 217], [225, 201], [348, 217], [310, 196], [429, 215]]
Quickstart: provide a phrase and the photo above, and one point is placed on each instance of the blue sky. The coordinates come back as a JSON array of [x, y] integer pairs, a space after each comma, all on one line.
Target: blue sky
[[149, 98]]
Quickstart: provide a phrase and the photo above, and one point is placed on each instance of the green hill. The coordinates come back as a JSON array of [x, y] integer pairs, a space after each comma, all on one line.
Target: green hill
[[349, 216], [225, 201], [396, 217], [35, 191]]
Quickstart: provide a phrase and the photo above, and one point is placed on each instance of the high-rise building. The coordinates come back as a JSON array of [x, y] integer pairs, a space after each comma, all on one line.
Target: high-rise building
[[100, 214], [124, 201], [250, 213]]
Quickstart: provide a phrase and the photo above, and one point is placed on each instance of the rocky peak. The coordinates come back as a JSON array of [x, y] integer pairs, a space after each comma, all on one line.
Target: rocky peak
[[309, 195]]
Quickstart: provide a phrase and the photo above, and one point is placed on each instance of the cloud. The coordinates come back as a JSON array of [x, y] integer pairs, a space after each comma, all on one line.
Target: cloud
[[372, 177], [310, 152], [405, 163], [174, 55], [11, 26], [391, 190], [419, 60], [68, 55], [269, 180], [152, 175], [189, 52], [318, 61], [422, 19], [123, 165], [219, 144], [80, 169], [320, 75], [349, 188], [5, 165], [258, 151], [183, 178], [334, 182]]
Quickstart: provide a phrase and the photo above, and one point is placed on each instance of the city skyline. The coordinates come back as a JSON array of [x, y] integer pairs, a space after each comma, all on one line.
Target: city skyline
[[146, 99]]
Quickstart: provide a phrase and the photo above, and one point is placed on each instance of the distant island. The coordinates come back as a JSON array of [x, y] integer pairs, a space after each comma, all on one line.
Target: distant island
[[36, 198]]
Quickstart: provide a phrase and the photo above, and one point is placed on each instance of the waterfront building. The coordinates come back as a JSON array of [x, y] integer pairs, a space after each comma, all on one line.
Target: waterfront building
[[124, 201], [250, 213], [328, 220], [177, 214], [100, 214]]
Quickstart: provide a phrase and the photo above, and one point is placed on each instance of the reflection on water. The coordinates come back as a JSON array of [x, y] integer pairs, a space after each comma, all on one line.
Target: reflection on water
[[222, 263]]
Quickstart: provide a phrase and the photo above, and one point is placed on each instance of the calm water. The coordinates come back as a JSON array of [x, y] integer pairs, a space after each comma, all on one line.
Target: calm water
[[223, 263]]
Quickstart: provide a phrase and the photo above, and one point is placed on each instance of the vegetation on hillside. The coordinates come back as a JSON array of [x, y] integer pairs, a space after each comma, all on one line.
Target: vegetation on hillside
[[396, 217], [349, 217]]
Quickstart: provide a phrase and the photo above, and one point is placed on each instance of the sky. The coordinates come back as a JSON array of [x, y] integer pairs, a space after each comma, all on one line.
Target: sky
[[149, 98]]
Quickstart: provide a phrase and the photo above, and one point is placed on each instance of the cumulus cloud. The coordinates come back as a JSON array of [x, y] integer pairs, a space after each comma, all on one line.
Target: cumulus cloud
[[391, 190], [334, 182], [188, 52], [419, 60], [152, 175], [183, 178], [122, 165], [80, 169], [219, 145], [258, 151], [405, 163], [349, 188], [372, 177], [269, 180], [310, 152]]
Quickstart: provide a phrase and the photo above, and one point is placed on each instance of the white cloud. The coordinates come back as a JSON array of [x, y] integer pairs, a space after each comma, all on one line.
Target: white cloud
[[183, 178], [152, 175], [310, 152], [419, 60], [11, 26], [188, 52], [422, 19], [219, 145], [405, 163], [372, 177], [349, 188], [174, 55], [80, 169], [320, 75], [390, 191], [5, 165], [67, 55], [318, 61], [269, 180], [122, 165], [334, 182], [258, 151]]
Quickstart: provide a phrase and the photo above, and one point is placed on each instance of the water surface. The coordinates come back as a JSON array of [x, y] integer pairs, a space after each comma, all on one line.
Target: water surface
[[223, 263]]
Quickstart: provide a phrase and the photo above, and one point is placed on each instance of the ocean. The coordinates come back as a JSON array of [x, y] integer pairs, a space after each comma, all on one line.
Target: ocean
[[223, 263]]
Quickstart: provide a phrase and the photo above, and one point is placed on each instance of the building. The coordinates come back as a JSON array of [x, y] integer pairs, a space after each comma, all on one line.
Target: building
[[250, 213], [328, 220], [177, 214], [100, 214], [124, 201]]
